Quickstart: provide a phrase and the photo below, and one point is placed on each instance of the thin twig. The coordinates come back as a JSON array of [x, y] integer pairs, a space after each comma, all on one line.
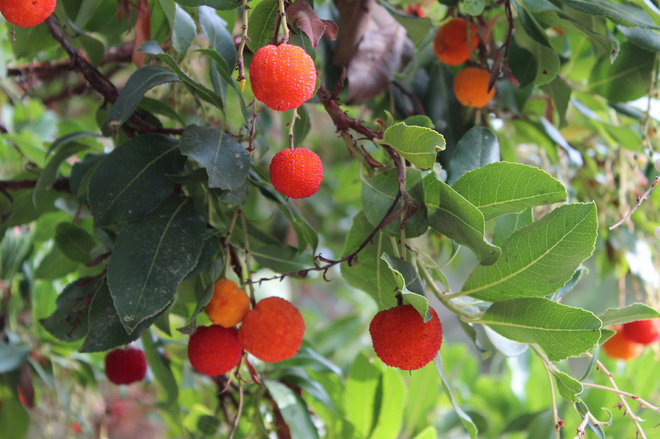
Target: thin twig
[[636, 206], [643, 403]]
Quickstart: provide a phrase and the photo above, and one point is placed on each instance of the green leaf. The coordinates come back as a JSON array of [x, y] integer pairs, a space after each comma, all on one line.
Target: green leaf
[[262, 22], [478, 147], [622, 13], [452, 215], [643, 38], [417, 28], [392, 400], [562, 331], [151, 256], [630, 313], [140, 82], [160, 367], [215, 29], [217, 4], [371, 273], [14, 418], [569, 388], [131, 180], [562, 239], [48, 176], [466, 420], [472, 7], [409, 283], [281, 258], [560, 93], [12, 356], [226, 161], [507, 224], [503, 187], [378, 194], [428, 433], [74, 242], [183, 31], [360, 403], [625, 79], [293, 410], [69, 322], [105, 329], [418, 145]]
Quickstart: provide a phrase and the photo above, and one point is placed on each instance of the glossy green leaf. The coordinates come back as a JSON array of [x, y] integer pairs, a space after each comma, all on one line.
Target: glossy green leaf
[[562, 239], [183, 31], [105, 329], [569, 388], [151, 256], [262, 22], [360, 403], [452, 215], [630, 313], [478, 147], [74, 242], [131, 180], [215, 29], [392, 400], [562, 331], [69, 322], [140, 82], [627, 78], [623, 12], [226, 161], [644, 38], [418, 145], [371, 273], [281, 258], [378, 194], [12, 356], [503, 187], [560, 93], [293, 410], [409, 284], [507, 224], [472, 7]]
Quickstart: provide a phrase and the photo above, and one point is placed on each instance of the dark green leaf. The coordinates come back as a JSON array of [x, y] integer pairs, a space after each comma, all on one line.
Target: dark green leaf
[[183, 31], [644, 38], [69, 322], [74, 242], [477, 147], [293, 410], [150, 258], [262, 23], [623, 13], [12, 356], [217, 4], [409, 284], [560, 93], [48, 176], [160, 367], [215, 29]]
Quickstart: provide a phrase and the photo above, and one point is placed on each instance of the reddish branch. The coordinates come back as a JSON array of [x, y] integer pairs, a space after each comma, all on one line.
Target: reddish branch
[[61, 185]]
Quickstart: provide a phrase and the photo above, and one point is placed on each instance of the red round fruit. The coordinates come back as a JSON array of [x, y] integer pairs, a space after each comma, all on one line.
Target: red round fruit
[[125, 366], [27, 13], [401, 338], [297, 172], [282, 77], [214, 350], [642, 331], [620, 347], [272, 331]]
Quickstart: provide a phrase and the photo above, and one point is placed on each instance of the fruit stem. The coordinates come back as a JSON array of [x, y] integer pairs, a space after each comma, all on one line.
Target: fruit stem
[[442, 297], [247, 273], [285, 26], [241, 47], [292, 124]]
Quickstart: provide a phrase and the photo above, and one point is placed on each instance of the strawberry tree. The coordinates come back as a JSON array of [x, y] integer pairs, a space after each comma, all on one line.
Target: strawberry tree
[[506, 190]]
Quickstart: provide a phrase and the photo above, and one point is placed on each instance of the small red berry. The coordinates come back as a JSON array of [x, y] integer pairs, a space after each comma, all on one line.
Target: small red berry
[[620, 347], [297, 172], [642, 331], [272, 331], [401, 338], [214, 350], [27, 13], [282, 77], [125, 366]]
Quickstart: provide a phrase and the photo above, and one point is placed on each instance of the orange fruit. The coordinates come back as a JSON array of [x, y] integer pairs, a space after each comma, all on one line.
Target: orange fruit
[[297, 172], [471, 87], [401, 338], [642, 331], [282, 77], [228, 305], [451, 42], [618, 346], [27, 13], [272, 331], [214, 350]]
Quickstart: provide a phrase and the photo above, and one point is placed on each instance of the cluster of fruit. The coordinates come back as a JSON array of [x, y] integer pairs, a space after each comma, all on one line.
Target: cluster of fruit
[[630, 338], [453, 45], [25, 13], [283, 78], [272, 331]]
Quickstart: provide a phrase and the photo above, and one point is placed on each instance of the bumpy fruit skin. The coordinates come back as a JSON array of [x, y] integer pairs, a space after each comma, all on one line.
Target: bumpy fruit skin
[[297, 172], [451, 42], [642, 331], [228, 305], [214, 350], [27, 13], [273, 331], [471, 87], [620, 347], [401, 338], [282, 77], [125, 366]]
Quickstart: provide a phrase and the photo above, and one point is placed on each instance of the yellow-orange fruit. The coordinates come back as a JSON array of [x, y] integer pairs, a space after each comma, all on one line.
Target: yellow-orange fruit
[[272, 331], [282, 77], [642, 331], [297, 172], [401, 338], [27, 13], [451, 42], [471, 87], [214, 350], [618, 346], [228, 305]]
